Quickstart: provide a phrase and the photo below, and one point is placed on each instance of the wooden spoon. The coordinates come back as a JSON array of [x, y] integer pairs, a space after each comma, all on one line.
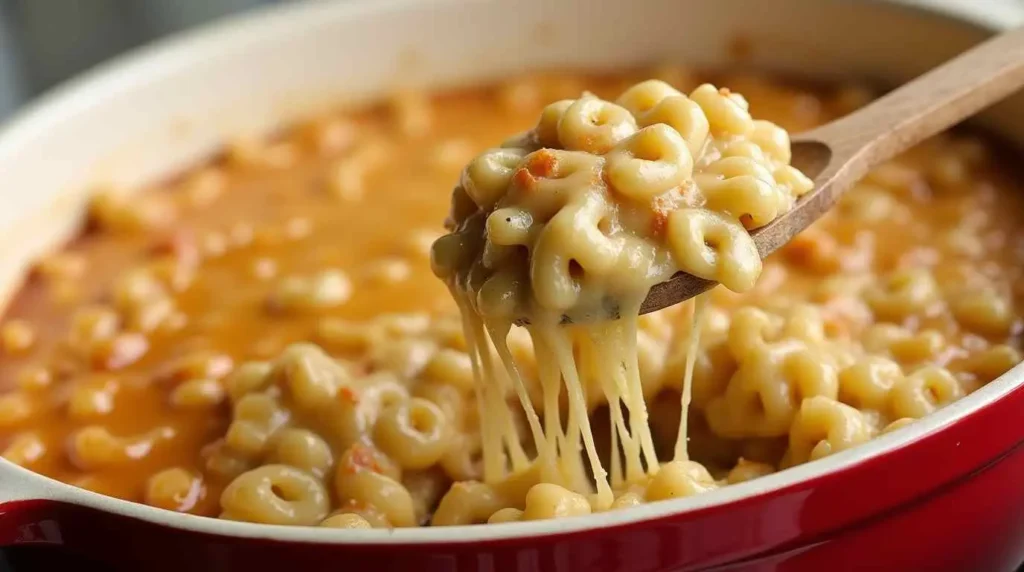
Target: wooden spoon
[[838, 154]]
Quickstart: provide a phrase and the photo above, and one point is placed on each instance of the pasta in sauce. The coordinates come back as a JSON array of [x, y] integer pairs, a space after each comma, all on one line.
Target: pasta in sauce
[[262, 339]]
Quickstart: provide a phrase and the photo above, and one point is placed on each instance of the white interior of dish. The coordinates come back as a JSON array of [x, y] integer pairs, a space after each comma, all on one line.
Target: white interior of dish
[[154, 112]]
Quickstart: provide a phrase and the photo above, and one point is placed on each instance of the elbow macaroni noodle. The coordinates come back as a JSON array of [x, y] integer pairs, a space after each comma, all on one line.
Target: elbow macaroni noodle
[[262, 339]]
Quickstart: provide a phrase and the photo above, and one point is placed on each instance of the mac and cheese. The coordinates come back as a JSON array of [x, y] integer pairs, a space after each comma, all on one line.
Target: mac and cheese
[[262, 338]]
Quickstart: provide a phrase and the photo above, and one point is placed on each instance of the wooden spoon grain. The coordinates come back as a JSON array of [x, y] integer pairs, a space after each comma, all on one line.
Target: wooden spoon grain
[[838, 154]]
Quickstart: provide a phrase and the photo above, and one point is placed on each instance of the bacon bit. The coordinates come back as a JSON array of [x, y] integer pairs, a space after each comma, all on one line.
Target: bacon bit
[[523, 179], [543, 164], [348, 394], [659, 222], [660, 209], [361, 458]]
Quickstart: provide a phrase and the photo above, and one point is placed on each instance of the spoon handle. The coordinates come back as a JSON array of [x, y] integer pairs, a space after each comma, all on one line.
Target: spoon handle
[[841, 152], [927, 105]]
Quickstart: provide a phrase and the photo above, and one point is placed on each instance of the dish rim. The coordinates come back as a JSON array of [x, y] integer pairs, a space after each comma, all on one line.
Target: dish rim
[[178, 50]]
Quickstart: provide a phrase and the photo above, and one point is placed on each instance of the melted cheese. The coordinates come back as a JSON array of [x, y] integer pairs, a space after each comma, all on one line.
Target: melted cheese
[[700, 304]]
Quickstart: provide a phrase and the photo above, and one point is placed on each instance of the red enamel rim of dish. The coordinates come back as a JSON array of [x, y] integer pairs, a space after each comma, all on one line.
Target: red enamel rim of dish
[[973, 421]]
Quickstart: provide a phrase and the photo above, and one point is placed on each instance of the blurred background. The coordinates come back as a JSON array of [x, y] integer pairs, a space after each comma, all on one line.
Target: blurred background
[[43, 42]]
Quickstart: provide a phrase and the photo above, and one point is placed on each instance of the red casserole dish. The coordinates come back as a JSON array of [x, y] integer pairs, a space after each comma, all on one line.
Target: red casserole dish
[[941, 494]]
